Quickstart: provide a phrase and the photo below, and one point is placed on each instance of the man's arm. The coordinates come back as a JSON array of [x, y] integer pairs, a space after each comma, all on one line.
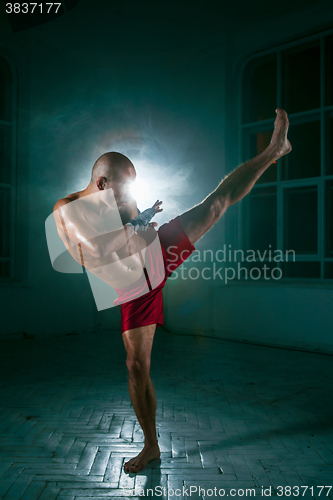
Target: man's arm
[[78, 231]]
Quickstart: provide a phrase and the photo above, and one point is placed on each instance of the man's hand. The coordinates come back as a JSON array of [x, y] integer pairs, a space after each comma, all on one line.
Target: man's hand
[[157, 205], [141, 221], [157, 209]]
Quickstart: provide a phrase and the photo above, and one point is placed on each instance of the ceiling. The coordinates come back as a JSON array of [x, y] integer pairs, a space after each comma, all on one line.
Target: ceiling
[[148, 24]]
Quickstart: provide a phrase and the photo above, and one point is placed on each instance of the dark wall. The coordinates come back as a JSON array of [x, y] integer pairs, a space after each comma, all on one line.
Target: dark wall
[[284, 314], [156, 82], [89, 84]]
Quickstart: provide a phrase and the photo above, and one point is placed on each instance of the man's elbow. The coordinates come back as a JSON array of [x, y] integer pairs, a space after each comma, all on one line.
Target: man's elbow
[[93, 250]]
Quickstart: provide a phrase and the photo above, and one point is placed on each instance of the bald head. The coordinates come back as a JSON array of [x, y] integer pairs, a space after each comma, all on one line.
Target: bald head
[[116, 172], [112, 166]]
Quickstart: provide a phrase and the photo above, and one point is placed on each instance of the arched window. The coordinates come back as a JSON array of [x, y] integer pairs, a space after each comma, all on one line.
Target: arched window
[[291, 205], [7, 171]]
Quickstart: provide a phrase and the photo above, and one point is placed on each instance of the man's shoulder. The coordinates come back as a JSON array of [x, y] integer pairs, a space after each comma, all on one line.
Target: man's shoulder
[[64, 201], [60, 203]]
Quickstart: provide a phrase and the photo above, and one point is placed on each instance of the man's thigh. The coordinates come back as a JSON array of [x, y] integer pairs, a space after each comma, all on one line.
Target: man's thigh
[[198, 220], [138, 341]]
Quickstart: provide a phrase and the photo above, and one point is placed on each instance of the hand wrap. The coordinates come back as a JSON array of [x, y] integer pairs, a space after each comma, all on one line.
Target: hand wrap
[[141, 221]]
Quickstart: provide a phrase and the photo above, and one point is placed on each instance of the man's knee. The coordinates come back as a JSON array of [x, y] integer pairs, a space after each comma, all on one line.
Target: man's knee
[[138, 367], [217, 206]]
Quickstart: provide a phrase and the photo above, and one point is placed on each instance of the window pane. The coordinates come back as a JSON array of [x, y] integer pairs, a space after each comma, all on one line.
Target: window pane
[[304, 159], [301, 269], [329, 145], [256, 270], [5, 154], [329, 219], [301, 79], [4, 222], [328, 270], [5, 269], [262, 219], [301, 220], [258, 142], [259, 96], [329, 71], [5, 88]]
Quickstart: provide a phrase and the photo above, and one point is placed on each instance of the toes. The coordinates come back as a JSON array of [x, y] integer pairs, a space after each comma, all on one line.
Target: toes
[[136, 467], [281, 113], [128, 465], [133, 465]]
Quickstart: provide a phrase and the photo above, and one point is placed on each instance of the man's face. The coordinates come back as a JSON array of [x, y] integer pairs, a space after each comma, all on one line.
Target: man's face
[[121, 185]]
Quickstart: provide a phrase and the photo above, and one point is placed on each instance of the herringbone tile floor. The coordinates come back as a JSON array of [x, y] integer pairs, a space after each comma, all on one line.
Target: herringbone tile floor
[[231, 416]]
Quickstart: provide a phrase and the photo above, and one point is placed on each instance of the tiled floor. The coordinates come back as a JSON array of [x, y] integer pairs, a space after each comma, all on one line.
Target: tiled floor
[[231, 416]]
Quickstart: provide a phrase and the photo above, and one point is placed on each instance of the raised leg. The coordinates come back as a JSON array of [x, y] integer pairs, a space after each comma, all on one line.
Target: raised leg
[[201, 218], [138, 344]]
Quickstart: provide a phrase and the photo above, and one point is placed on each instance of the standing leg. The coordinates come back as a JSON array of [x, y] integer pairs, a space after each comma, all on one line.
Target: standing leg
[[138, 344], [201, 218]]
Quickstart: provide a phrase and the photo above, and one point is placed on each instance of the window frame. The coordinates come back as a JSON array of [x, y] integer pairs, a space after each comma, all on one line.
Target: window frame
[[12, 186], [300, 117]]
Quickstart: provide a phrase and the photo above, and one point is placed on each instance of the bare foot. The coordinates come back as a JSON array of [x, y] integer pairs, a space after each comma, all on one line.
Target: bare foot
[[279, 139], [145, 456]]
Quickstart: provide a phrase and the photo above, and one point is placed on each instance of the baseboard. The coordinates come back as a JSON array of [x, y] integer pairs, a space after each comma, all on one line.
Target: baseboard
[[321, 348]]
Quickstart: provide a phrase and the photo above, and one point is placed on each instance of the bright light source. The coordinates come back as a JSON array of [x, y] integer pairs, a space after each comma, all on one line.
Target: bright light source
[[140, 190], [162, 172], [164, 182]]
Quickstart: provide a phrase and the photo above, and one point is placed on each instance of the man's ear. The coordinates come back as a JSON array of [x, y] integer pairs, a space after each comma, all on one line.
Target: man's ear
[[100, 182]]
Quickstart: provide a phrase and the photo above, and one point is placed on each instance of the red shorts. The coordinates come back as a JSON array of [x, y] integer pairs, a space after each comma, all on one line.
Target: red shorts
[[147, 309]]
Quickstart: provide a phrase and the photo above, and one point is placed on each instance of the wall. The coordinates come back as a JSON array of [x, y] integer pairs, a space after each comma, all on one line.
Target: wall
[[161, 87], [297, 315], [86, 86]]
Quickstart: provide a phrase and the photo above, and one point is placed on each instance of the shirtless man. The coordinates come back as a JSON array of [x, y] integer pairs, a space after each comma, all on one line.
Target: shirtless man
[[117, 255]]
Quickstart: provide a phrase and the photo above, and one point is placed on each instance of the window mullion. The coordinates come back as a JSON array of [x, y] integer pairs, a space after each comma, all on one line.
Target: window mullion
[[13, 249], [8, 125], [321, 186], [279, 238], [280, 215], [279, 81]]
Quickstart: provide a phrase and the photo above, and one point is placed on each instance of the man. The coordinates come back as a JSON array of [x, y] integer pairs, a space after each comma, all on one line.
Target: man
[[116, 255]]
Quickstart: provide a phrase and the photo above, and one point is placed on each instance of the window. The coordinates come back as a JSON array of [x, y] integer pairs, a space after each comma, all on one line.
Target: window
[[291, 205], [7, 172]]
